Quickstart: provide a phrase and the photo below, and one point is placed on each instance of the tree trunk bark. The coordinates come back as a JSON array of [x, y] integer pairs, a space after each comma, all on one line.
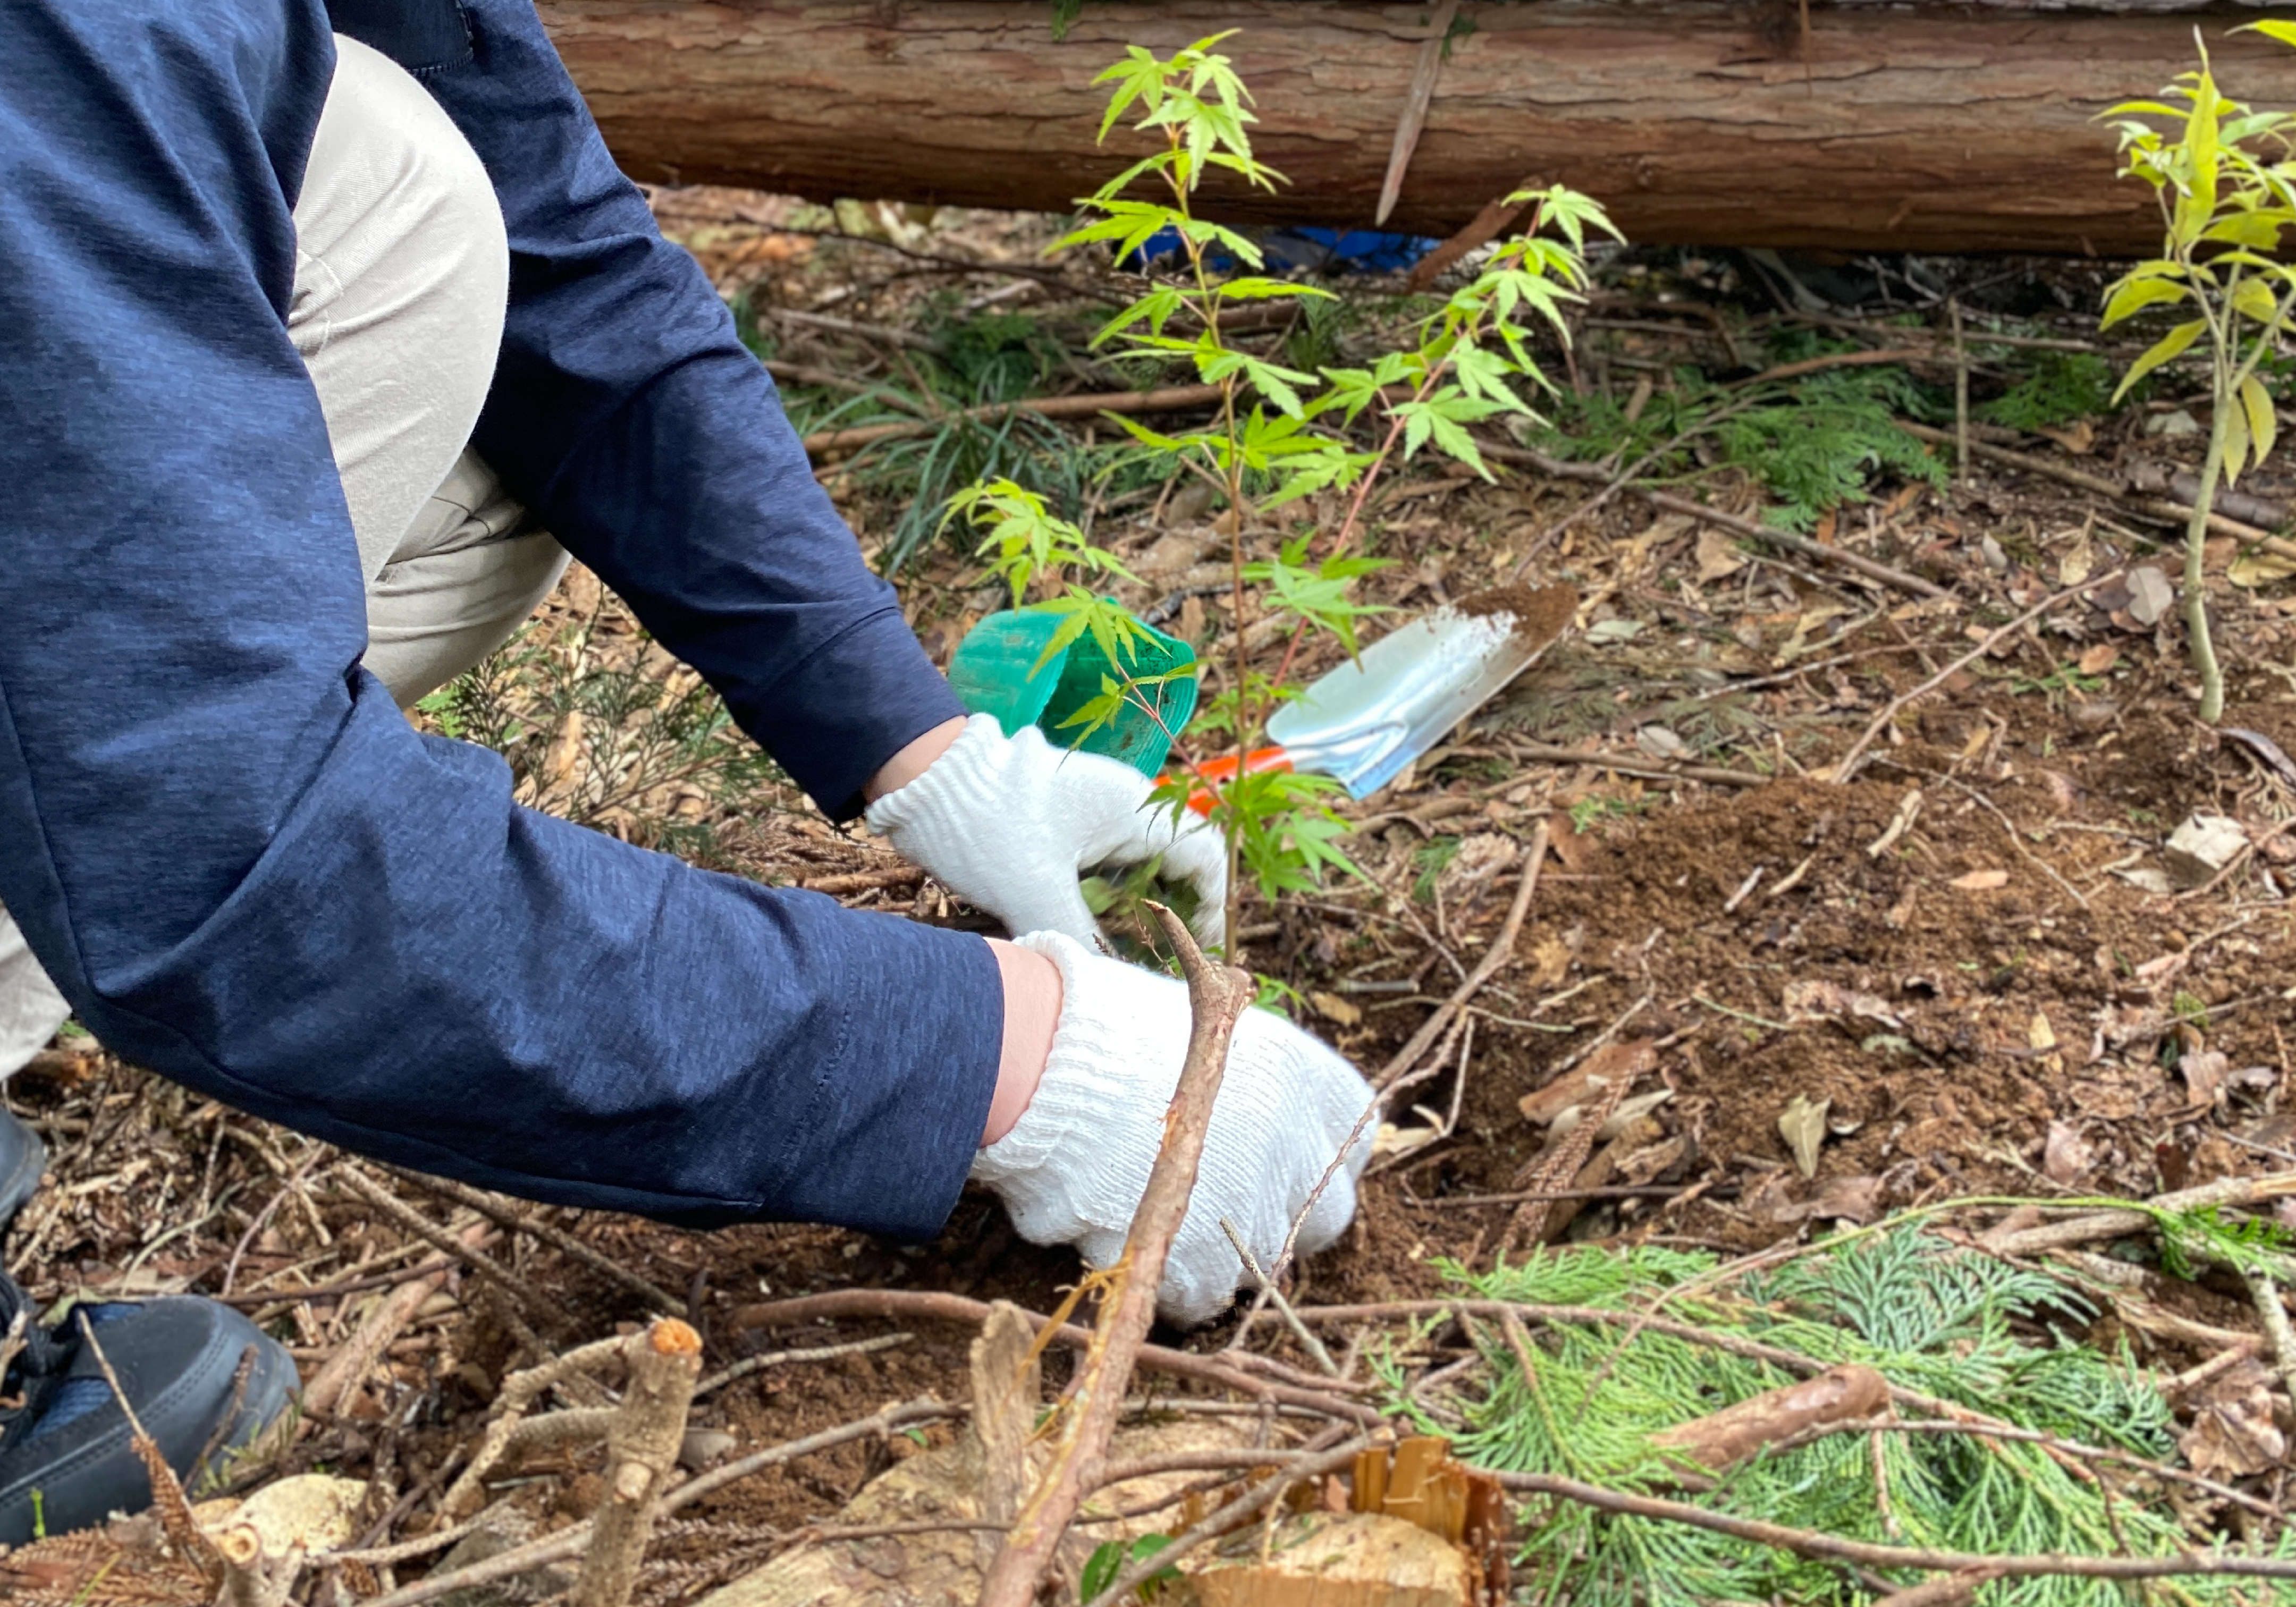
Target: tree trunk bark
[[1921, 126]]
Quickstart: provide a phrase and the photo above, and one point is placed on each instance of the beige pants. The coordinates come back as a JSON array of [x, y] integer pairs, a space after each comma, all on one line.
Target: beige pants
[[402, 273]]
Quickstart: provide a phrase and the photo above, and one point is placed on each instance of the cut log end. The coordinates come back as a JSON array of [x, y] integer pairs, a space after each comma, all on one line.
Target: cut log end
[[1346, 1560], [670, 1337]]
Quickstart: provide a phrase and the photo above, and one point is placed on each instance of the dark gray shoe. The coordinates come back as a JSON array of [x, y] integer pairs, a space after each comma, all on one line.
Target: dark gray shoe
[[22, 1159], [203, 1379]]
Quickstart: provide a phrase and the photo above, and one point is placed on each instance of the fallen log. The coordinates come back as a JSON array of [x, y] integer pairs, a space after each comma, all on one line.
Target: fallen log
[[1917, 125]]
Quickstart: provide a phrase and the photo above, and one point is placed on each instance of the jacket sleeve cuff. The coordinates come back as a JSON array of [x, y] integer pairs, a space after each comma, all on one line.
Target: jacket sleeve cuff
[[857, 700]]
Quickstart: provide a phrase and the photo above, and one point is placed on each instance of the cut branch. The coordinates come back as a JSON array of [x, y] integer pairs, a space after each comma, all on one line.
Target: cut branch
[[1218, 994], [571, 1542], [1723, 1439], [914, 1306], [641, 1449]]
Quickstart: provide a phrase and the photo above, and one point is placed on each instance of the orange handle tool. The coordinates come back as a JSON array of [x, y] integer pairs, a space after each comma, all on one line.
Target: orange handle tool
[[1221, 768]]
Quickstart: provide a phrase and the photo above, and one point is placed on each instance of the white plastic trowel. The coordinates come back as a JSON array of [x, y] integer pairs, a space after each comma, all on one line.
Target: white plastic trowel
[[1363, 721]]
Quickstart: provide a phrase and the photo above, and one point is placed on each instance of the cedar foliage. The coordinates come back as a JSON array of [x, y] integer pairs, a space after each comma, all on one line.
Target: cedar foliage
[[1960, 1326]]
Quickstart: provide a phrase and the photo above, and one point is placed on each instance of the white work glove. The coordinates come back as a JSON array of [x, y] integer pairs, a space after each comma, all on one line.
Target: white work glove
[[1010, 823], [1073, 1170]]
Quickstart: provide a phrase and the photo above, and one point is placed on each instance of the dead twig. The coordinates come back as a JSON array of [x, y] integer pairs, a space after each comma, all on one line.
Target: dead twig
[[1635, 764], [641, 1450], [2115, 1222], [2016, 839], [1416, 102], [1499, 954], [176, 1520], [508, 1432], [911, 1305], [1667, 502], [1835, 359], [862, 882], [2274, 1315], [2158, 508], [1494, 220], [1559, 1168], [348, 1367], [782, 1358], [1218, 994], [414, 1222], [1761, 1423], [1391, 1075], [1846, 769], [572, 1542], [517, 1221], [1305, 1334]]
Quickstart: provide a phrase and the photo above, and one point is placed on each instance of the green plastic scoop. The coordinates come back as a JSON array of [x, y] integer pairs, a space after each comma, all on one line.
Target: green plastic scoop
[[995, 671]]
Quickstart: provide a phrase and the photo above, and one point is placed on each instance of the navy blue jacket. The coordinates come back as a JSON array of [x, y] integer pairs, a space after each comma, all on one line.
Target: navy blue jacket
[[237, 860]]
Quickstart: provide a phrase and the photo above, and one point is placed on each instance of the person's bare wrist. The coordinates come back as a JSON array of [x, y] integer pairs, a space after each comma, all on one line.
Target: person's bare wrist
[[910, 761], [1032, 1010]]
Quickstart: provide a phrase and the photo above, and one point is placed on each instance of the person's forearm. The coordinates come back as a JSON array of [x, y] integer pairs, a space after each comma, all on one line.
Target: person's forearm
[[910, 762], [1032, 1009]]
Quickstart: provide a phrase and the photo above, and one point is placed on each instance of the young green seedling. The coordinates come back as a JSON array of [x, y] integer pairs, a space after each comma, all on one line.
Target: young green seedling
[[1279, 434], [2228, 194]]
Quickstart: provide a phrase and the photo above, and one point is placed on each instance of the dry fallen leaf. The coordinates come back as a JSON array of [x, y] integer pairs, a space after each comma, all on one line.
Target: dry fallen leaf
[[2076, 564], [2079, 439], [2039, 1034], [1593, 1076], [1627, 1113], [1981, 882], [1645, 1164], [2255, 567], [1718, 556], [2150, 594], [2066, 1154], [2150, 878], [1550, 962], [2203, 845], [1572, 846], [1661, 742], [1857, 1200], [2233, 1434], [1803, 1127], [1331, 1007], [2203, 1071], [2099, 659], [1820, 1001]]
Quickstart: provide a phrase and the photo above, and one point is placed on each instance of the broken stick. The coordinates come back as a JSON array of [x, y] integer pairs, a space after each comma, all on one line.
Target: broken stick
[[641, 1448], [1218, 994], [1721, 1440]]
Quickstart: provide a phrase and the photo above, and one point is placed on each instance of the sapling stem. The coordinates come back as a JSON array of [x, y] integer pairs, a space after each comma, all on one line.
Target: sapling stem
[[2196, 591], [1208, 304]]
